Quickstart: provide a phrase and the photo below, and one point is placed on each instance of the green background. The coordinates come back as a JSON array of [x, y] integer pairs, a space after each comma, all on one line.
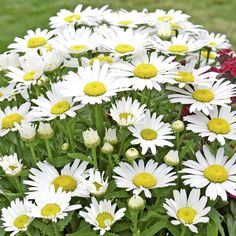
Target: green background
[[17, 16]]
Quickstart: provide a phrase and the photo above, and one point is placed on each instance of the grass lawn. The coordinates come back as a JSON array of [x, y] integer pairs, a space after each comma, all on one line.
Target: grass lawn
[[17, 16]]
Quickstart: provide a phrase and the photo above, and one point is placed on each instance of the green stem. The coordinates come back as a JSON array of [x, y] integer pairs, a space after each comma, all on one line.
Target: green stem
[[18, 184], [70, 136], [149, 98], [199, 58], [19, 146], [34, 160], [94, 154], [110, 161], [177, 141], [57, 233], [134, 218], [47, 144], [208, 55], [99, 119], [183, 228]]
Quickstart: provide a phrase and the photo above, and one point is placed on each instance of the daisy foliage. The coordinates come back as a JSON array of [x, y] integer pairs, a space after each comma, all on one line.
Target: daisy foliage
[[118, 123]]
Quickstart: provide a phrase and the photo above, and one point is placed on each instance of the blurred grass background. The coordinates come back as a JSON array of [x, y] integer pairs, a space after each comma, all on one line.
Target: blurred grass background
[[17, 16]]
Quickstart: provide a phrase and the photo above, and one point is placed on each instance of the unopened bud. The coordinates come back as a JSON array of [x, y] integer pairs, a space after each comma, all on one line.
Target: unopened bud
[[107, 148], [131, 154], [136, 202], [45, 131], [172, 158], [91, 138], [164, 31], [65, 146], [177, 126]]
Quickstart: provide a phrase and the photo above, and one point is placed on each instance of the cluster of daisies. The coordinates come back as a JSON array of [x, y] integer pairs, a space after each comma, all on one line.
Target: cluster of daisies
[[97, 105]]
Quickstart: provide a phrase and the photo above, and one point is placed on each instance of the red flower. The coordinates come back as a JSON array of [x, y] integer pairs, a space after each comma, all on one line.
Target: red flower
[[185, 110], [233, 72], [225, 52]]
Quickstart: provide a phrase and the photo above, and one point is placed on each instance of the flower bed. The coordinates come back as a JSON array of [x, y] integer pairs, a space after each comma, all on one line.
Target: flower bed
[[118, 123]]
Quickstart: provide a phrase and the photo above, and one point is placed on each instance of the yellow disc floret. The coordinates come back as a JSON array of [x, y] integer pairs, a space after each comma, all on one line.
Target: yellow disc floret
[[148, 134], [125, 22], [144, 179], [186, 215], [104, 219], [216, 173], [184, 77], [165, 18], [9, 121], [145, 71], [218, 126], [203, 95], [178, 48], [60, 107], [95, 89], [21, 221], [66, 182], [72, 18], [101, 59], [79, 47], [50, 210], [29, 76], [124, 48], [36, 42]]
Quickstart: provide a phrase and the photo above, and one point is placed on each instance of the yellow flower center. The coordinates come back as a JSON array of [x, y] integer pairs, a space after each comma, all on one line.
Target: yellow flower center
[[12, 167], [203, 95], [36, 42], [204, 53], [102, 59], [66, 182], [185, 77], [21, 221], [9, 121], [29, 76], [218, 126], [79, 47], [148, 134], [216, 173], [60, 107], [50, 210], [95, 89], [165, 18], [125, 116], [144, 179], [176, 26], [186, 215], [1, 94], [125, 22], [145, 71], [123, 48], [178, 48], [72, 18], [97, 186], [104, 219], [212, 44]]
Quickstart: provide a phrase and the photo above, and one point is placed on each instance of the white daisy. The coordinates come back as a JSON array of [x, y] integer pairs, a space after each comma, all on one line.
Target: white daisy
[[76, 41], [110, 59], [70, 178], [203, 97], [180, 45], [121, 42], [8, 92], [220, 125], [56, 105], [187, 74], [8, 59], [87, 16], [140, 177], [32, 68], [16, 217], [102, 214], [216, 173], [32, 41], [52, 204], [151, 132], [146, 72], [187, 210], [127, 111], [92, 84], [11, 165], [10, 116]]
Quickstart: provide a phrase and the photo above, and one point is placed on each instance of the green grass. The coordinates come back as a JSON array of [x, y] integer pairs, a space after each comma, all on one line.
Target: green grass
[[17, 16]]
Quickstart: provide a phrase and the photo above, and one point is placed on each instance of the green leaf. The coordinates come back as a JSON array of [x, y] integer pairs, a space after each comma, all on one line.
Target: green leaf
[[120, 227], [212, 229], [88, 231], [80, 156], [217, 218], [151, 214], [174, 229], [117, 194], [155, 228], [231, 225], [64, 222], [60, 161]]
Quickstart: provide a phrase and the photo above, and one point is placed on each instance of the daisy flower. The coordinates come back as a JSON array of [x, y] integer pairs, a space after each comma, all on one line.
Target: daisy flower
[[102, 214], [11, 165], [124, 18], [31, 69], [7, 92], [70, 178], [127, 112], [187, 74], [216, 173], [146, 72], [79, 16], [56, 105], [180, 45], [76, 41], [32, 41], [96, 183], [16, 217], [52, 204], [10, 116], [8, 59], [110, 59], [220, 125], [203, 97], [187, 210], [151, 132], [121, 42], [140, 177], [93, 84]]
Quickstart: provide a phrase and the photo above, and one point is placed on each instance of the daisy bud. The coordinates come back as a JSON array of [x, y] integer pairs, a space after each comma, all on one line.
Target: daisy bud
[[107, 148], [110, 136], [131, 154], [172, 158], [164, 31], [177, 126], [136, 203], [45, 131], [11, 165], [65, 146], [27, 131], [91, 138]]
